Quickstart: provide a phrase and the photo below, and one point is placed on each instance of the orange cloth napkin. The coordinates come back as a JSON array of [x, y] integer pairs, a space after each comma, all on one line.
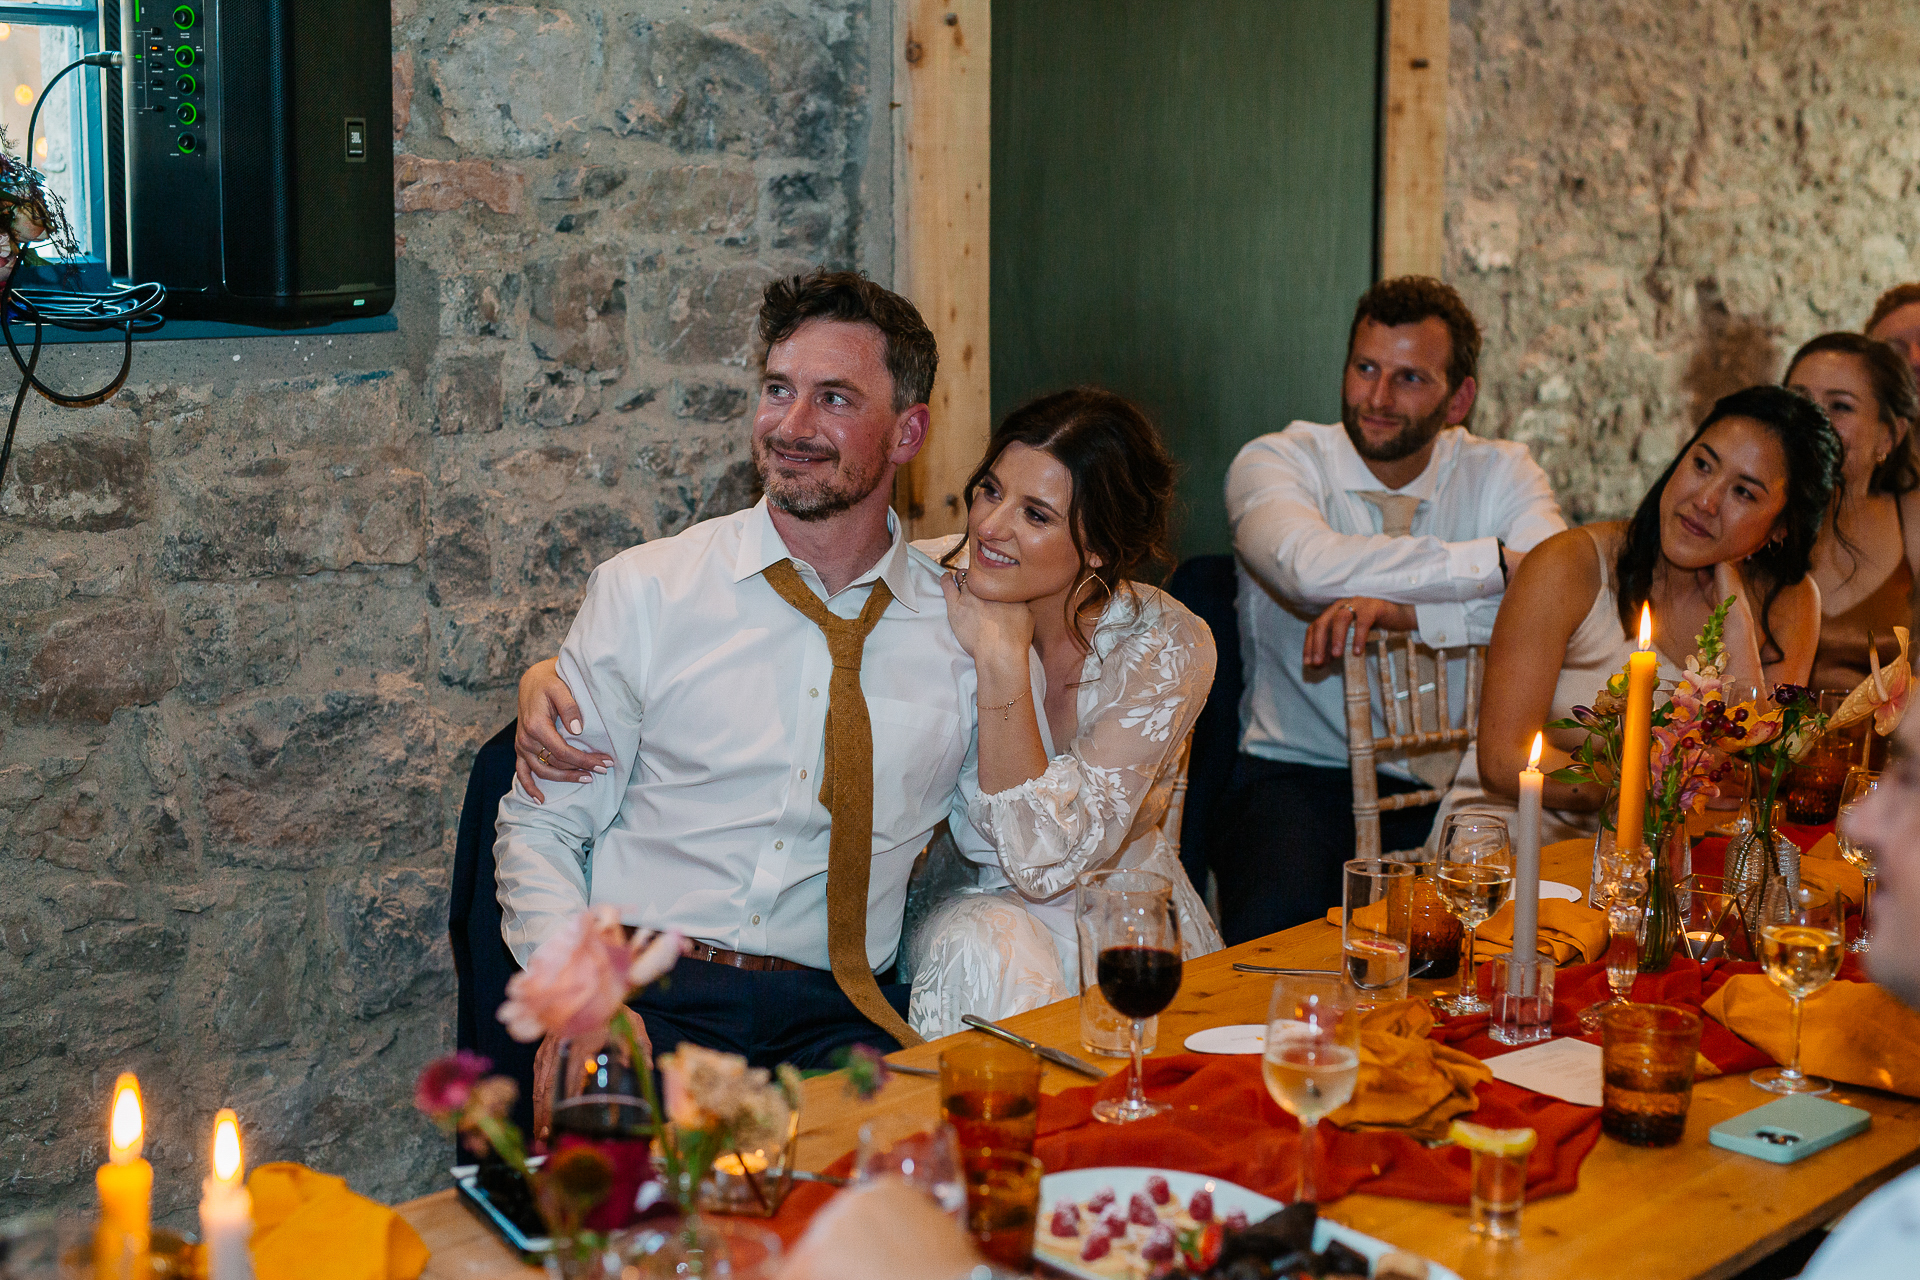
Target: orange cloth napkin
[[308, 1226], [1408, 1083], [1572, 932], [1854, 1032], [1824, 868]]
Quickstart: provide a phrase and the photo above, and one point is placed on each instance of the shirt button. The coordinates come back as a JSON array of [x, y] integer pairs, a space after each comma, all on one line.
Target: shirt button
[[779, 844], [1473, 568], [803, 775], [813, 693], [756, 919]]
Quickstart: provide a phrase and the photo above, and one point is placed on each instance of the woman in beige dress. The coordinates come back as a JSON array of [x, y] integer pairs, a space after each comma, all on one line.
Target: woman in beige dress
[[1736, 514]]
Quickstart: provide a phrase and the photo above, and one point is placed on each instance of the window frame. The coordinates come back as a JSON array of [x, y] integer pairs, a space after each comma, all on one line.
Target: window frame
[[91, 153]]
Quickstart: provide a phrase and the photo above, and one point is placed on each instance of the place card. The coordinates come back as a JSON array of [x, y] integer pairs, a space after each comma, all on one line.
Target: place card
[[1563, 1068]]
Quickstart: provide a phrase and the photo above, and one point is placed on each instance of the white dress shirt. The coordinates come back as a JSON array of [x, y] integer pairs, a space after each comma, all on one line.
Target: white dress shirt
[[1304, 538], [710, 692]]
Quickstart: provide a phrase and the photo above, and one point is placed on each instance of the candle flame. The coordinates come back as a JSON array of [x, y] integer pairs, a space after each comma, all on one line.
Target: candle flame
[[126, 1132], [226, 1147], [1646, 627], [1539, 741]]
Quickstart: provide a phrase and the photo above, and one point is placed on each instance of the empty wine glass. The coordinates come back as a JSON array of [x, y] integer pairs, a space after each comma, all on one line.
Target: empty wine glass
[[1802, 955], [1625, 877], [1130, 917], [1476, 875], [928, 1158], [1860, 783], [1312, 1060]]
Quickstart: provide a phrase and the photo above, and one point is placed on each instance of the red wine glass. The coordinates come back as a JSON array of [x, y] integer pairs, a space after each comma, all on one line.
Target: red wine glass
[[1130, 921]]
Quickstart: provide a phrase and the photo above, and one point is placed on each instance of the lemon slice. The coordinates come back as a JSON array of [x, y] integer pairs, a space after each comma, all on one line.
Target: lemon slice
[[1495, 1142]]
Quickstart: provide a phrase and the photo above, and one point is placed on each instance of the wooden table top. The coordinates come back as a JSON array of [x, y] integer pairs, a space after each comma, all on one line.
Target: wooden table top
[[1691, 1212]]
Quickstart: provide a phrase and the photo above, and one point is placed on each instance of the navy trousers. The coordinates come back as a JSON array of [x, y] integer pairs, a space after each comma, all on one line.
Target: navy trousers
[[1283, 835], [796, 1016]]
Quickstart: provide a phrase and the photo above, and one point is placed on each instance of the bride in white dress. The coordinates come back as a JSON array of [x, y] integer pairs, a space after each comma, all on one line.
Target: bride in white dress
[[1089, 685]]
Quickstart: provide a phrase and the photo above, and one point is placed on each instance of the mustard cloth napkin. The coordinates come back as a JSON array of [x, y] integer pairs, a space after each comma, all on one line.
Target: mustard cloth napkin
[[1824, 868], [308, 1226], [1572, 932], [1854, 1032], [1408, 1083]]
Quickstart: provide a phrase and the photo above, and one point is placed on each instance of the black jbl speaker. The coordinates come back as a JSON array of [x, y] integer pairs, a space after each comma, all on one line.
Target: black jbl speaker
[[258, 161]]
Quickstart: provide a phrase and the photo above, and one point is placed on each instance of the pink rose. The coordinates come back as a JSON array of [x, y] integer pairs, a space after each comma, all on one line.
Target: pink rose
[[446, 1083], [575, 982]]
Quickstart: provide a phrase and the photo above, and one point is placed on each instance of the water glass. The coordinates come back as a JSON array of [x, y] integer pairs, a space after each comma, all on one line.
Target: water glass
[[1476, 877], [1522, 995], [1104, 1030], [990, 1094], [1003, 1204], [1376, 929], [1647, 1054], [1499, 1189], [1860, 784]]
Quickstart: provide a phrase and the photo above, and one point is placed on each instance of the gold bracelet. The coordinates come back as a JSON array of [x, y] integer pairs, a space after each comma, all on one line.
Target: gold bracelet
[[1006, 712]]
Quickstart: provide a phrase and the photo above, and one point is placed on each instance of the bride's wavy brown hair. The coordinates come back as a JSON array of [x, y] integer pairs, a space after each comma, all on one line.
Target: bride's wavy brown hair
[[1123, 485]]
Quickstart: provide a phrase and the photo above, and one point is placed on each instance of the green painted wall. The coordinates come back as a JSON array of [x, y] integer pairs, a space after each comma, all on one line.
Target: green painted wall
[[1183, 211]]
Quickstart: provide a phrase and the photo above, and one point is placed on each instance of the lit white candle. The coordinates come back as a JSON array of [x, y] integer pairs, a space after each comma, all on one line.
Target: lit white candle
[[1526, 860], [226, 1207]]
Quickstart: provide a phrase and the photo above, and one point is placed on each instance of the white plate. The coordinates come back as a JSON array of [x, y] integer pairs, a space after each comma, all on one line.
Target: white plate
[[1554, 889], [1082, 1184], [1245, 1037]]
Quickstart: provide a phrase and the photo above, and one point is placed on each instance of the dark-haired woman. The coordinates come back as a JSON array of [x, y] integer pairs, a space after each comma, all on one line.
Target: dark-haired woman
[[1736, 514], [1864, 562], [1089, 680]]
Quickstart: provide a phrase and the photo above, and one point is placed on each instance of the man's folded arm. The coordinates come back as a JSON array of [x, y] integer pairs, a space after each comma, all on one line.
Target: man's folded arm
[[540, 852], [1281, 534]]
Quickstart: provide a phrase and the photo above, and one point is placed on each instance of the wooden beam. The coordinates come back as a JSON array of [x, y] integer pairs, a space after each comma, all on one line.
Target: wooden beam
[[1413, 161], [942, 79]]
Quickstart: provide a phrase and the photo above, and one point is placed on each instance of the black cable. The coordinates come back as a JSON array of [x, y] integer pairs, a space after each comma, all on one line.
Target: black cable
[[130, 310]]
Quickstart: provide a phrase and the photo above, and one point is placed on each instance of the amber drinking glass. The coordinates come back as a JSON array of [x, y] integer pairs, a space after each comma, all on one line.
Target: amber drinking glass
[[1647, 1054], [990, 1094], [1003, 1203]]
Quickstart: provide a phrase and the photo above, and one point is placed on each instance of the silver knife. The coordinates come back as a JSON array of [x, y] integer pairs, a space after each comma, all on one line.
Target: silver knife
[[1053, 1055], [1241, 966], [900, 1069], [825, 1179]]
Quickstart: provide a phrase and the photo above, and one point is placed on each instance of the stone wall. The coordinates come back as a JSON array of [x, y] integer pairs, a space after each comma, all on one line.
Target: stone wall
[[1653, 202], [257, 611]]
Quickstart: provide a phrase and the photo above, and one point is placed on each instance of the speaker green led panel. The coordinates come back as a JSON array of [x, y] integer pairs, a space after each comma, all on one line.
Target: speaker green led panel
[[183, 56], [184, 17]]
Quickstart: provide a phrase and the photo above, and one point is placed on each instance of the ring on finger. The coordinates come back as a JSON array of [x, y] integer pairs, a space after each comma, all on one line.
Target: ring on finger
[[544, 757]]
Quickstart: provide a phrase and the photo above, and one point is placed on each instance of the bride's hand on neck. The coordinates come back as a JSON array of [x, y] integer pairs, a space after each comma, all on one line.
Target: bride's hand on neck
[[989, 630]]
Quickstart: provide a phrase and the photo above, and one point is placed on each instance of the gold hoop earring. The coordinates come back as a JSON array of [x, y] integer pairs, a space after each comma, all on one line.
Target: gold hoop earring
[[1090, 576]]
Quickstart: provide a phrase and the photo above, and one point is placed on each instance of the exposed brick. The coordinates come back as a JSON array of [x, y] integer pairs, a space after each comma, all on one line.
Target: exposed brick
[[423, 185]]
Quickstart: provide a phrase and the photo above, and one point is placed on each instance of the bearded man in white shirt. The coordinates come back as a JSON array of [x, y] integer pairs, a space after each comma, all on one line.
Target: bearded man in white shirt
[[736, 810], [1397, 518]]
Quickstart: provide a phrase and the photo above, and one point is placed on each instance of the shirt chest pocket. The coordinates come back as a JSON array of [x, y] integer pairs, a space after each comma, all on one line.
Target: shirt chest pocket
[[917, 750]]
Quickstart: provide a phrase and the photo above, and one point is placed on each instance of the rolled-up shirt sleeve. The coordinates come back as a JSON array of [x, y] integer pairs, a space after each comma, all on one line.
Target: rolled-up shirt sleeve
[[1080, 811], [541, 850]]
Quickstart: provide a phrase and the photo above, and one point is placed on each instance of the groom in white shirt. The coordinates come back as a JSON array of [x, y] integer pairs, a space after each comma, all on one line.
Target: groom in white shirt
[[702, 665], [1396, 518]]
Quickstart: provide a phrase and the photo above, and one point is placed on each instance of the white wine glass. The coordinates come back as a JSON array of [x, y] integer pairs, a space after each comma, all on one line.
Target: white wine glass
[[1802, 955], [1130, 917], [1475, 870], [1312, 1060], [1861, 783]]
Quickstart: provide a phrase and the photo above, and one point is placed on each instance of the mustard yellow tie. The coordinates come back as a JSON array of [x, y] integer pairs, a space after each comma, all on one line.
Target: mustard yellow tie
[[846, 790]]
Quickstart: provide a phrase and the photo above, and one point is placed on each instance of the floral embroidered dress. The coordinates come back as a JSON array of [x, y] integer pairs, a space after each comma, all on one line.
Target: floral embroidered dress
[[1006, 942]]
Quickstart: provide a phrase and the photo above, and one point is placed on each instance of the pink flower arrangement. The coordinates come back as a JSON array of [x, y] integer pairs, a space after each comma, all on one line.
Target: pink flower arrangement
[[581, 977], [447, 1083]]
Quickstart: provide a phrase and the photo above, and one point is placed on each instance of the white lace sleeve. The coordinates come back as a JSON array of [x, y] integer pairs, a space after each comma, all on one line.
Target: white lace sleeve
[[1081, 811]]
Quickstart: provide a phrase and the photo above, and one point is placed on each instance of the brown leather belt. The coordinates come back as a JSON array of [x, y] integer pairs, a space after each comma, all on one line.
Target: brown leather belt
[[720, 955]]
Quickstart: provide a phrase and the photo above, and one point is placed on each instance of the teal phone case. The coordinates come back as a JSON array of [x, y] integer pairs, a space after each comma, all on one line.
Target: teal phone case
[[1794, 1127]]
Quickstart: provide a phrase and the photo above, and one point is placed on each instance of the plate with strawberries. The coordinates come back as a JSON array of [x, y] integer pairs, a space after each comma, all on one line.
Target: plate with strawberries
[[1130, 1223]]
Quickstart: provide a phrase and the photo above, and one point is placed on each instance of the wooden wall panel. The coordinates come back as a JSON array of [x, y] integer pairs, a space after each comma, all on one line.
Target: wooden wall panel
[[942, 81], [1413, 162]]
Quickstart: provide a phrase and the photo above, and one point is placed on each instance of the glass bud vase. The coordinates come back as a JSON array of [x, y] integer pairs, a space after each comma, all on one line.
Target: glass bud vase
[[1763, 866], [1664, 925]]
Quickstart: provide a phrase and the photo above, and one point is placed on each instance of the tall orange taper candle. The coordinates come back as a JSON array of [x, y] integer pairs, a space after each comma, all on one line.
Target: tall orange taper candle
[[126, 1190], [1636, 738]]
